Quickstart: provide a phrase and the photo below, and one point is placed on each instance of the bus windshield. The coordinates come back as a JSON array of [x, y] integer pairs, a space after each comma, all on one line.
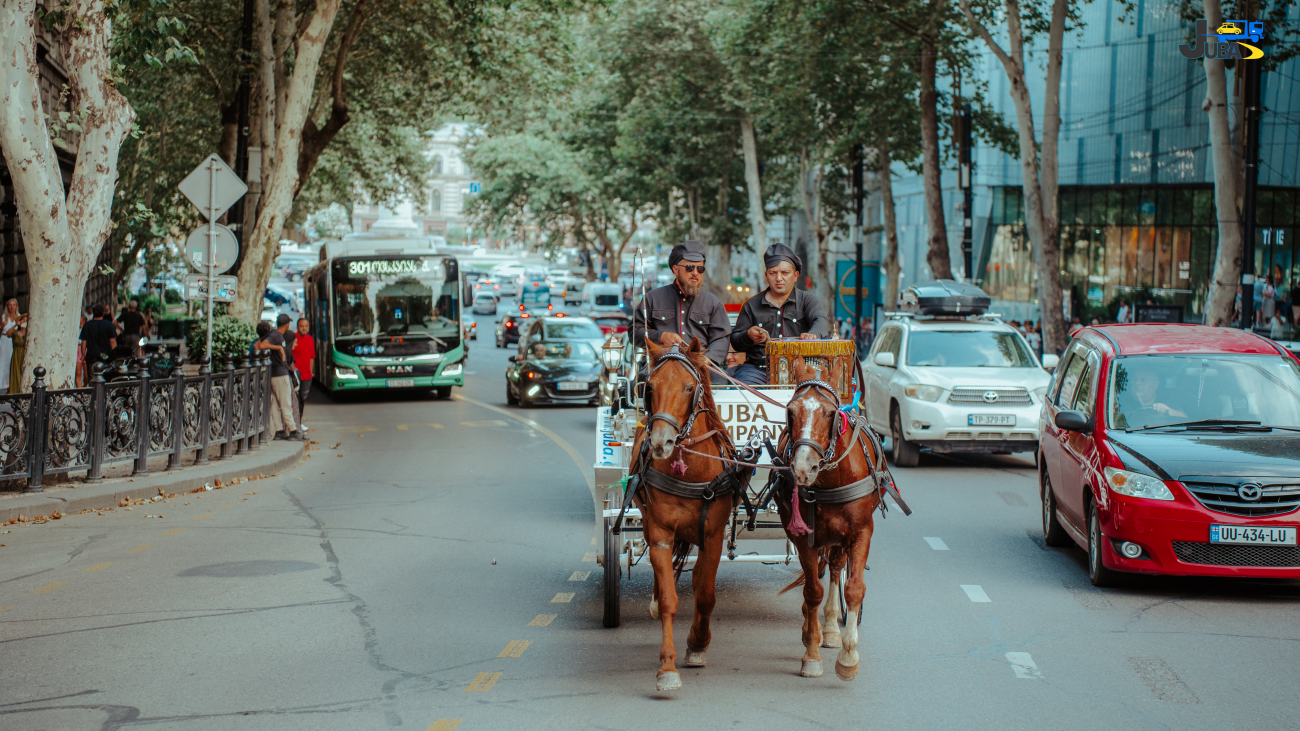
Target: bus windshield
[[395, 305]]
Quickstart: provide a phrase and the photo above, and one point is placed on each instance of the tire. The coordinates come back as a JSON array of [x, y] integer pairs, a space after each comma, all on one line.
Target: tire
[[906, 454], [1098, 574], [442, 392], [1054, 533], [613, 575], [499, 345], [510, 397]]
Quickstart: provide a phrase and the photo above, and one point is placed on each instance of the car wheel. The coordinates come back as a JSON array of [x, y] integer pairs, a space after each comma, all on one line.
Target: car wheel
[[1054, 533], [442, 392], [499, 345], [906, 454], [510, 396], [1098, 574]]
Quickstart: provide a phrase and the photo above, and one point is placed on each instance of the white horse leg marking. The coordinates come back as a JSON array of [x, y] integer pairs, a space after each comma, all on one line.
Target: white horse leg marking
[[811, 669], [668, 681], [831, 614], [846, 665]]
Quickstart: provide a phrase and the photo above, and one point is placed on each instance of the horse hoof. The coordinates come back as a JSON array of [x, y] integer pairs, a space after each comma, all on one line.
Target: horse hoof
[[811, 669], [695, 658], [831, 639], [654, 610], [668, 681], [846, 672]]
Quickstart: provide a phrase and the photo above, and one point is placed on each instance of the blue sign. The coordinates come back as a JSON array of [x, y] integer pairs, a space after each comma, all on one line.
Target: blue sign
[[846, 280], [476, 187]]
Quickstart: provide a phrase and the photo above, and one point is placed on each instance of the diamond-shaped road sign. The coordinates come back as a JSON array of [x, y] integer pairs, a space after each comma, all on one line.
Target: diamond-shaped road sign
[[213, 187]]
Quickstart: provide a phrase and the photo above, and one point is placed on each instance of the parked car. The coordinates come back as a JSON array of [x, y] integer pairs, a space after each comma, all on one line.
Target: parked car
[[1173, 449], [554, 372], [485, 303]]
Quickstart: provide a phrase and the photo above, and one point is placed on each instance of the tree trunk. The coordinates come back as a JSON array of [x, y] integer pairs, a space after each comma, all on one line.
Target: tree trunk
[[890, 300], [63, 236], [757, 221], [266, 101], [937, 256], [1221, 299], [278, 198]]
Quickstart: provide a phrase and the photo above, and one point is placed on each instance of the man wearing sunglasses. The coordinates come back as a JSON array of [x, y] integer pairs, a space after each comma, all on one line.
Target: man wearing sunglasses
[[679, 311], [780, 311]]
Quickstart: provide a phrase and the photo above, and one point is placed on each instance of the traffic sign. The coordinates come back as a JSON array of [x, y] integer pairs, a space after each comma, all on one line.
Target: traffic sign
[[225, 249], [196, 288], [476, 187], [213, 187]]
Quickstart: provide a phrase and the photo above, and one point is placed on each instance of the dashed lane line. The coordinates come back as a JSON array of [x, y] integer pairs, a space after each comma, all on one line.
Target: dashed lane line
[[542, 620], [976, 593], [1024, 665], [937, 544], [484, 423], [584, 468], [356, 428], [200, 517], [562, 598], [483, 682], [174, 531], [141, 548], [403, 427], [48, 587], [515, 648], [444, 724], [589, 558], [579, 575], [97, 567]]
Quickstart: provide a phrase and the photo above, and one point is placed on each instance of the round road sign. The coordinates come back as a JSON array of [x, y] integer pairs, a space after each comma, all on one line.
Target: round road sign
[[225, 249]]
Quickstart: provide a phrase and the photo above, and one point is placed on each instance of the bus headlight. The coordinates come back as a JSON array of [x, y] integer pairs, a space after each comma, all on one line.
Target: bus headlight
[[452, 370], [345, 373]]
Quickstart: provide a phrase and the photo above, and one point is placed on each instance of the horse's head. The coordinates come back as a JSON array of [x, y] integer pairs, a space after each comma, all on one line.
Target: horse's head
[[676, 382], [812, 414]]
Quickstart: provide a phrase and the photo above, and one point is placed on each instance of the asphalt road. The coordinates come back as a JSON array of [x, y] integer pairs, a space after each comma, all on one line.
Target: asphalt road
[[383, 582]]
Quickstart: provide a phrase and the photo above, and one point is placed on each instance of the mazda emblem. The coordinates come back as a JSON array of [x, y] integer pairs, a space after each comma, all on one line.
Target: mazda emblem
[[1250, 491], [990, 397]]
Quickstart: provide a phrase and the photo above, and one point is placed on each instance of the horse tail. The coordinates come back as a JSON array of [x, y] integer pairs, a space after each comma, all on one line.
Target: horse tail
[[801, 578]]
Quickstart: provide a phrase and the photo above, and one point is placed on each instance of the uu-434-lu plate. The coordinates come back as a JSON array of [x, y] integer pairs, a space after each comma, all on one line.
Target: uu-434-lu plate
[[1253, 534], [572, 386], [991, 420], [401, 382]]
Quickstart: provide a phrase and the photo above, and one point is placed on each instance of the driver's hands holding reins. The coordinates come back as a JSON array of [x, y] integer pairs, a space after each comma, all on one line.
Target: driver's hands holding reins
[[757, 334]]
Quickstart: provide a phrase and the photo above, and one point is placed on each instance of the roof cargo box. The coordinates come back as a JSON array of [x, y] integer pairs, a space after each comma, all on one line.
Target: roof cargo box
[[945, 297]]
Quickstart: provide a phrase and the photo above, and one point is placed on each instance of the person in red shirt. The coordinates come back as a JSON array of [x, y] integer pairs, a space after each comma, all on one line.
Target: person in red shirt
[[304, 353]]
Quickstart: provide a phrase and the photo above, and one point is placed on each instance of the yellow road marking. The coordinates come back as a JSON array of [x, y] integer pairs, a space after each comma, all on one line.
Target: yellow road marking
[[589, 558], [402, 427], [515, 648], [5, 609], [579, 575], [174, 531], [201, 516], [141, 548], [585, 469], [444, 724], [542, 620], [593, 540], [437, 426], [97, 567], [483, 682], [228, 505], [562, 598], [47, 588], [356, 428]]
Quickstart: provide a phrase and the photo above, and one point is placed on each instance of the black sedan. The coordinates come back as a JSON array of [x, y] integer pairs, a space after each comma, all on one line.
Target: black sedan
[[554, 372], [509, 327]]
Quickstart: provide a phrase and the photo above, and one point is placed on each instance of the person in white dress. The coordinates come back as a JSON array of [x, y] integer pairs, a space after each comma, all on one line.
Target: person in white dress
[[8, 322]]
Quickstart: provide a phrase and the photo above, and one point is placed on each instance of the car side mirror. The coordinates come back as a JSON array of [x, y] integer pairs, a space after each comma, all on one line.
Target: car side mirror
[[1076, 421], [513, 359], [885, 359], [1050, 361]]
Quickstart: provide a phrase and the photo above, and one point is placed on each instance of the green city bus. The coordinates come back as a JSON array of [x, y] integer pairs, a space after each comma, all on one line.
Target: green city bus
[[385, 313]]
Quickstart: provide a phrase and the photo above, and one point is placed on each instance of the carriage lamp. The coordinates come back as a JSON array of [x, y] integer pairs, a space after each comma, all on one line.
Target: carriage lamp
[[611, 354]]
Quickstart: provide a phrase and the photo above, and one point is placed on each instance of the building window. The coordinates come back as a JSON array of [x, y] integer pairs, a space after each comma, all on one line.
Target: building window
[[435, 201], [437, 164]]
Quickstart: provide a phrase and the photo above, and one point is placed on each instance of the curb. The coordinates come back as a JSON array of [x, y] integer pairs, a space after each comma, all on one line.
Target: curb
[[276, 457]]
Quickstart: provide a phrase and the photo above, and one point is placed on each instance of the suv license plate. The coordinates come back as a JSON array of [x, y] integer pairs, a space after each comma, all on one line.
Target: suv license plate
[[991, 420], [401, 382], [572, 386], [1251, 534]]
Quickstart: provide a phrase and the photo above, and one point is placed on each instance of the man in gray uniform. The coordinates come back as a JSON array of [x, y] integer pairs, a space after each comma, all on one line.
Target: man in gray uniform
[[780, 311], [679, 311]]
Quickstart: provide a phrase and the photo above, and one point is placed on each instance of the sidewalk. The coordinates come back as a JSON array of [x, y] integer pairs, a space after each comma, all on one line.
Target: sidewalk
[[72, 497]]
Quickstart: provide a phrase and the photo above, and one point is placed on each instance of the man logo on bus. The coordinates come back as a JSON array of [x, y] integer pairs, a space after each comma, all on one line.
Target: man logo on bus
[[1227, 41]]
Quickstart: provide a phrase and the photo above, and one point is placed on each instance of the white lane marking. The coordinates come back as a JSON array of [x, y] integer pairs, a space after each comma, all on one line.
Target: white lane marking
[[937, 544], [976, 593], [1024, 665]]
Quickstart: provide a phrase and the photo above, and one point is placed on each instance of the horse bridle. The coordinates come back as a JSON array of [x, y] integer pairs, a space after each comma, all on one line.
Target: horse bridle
[[826, 455], [676, 355]]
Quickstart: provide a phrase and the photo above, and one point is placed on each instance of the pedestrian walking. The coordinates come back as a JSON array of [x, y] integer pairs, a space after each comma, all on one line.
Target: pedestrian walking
[[19, 335], [304, 356], [1123, 315], [1034, 338], [100, 337], [281, 387], [81, 376], [131, 325], [8, 325], [1268, 301]]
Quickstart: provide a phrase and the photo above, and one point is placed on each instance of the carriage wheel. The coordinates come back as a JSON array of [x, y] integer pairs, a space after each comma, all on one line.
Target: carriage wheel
[[613, 587]]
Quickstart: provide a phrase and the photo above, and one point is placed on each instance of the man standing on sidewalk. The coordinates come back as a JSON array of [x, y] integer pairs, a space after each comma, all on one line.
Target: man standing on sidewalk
[[281, 385], [304, 352]]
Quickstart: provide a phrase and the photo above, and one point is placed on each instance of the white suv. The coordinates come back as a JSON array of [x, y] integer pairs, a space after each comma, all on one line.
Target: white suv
[[954, 384]]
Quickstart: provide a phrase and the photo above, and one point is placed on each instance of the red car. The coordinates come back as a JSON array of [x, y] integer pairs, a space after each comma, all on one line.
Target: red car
[[1173, 449], [612, 324]]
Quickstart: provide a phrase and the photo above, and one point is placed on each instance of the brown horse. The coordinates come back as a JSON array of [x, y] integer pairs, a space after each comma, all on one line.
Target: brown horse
[[834, 471], [686, 500]]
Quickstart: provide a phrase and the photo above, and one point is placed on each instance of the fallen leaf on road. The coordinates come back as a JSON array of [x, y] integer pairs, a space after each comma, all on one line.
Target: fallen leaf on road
[[250, 493], [336, 446]]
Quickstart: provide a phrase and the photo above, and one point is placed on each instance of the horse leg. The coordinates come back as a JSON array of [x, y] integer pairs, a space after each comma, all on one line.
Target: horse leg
[[660, 543], [855, 588], [704, 580], [831, 610], [654, 598], [812, 599]]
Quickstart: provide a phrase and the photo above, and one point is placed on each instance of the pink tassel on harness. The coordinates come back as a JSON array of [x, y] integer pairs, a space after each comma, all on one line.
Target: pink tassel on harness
[[679, 467], [797, 526]]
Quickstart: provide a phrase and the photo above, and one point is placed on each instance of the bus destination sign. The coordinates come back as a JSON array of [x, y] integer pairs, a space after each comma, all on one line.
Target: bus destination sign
[[386, 267]]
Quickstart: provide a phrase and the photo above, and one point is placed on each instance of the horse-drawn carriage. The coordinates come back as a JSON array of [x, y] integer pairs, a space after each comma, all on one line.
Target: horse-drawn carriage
[[755, 453]]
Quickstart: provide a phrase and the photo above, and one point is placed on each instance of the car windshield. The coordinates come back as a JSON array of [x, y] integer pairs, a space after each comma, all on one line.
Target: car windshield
[[1149, 390], [967, 349], [549, 352], [572, 330]]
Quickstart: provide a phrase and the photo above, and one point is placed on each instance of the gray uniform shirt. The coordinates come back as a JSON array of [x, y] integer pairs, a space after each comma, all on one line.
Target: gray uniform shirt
[[801, 313], [701, 316]]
